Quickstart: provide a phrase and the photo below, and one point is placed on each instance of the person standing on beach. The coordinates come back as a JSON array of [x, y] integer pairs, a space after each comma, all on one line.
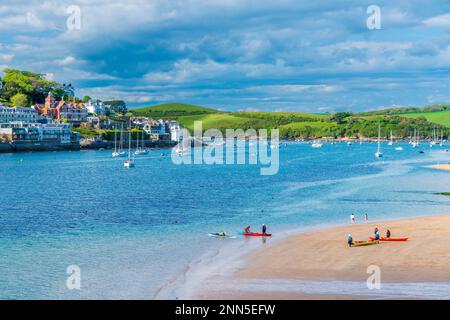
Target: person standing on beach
[[377, 235], [388, 233], [350, 240], [375, 231], [264, 229], [366, 217], [352, 218]]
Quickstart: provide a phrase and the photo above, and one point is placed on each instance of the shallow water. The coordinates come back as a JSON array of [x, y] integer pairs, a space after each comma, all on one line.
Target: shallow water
[[133, 231]]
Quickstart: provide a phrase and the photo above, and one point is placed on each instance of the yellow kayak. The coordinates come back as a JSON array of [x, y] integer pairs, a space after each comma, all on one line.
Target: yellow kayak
[[364, 243]]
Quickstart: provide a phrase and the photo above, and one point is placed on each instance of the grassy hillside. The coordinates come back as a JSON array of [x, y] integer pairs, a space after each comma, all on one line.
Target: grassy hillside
[[221, 121], [441, 117], [310, 129], [304, 125], [172, 111]]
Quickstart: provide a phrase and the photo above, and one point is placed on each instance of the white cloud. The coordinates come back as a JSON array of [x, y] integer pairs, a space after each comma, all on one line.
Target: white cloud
[[441, 21], [67, 61]]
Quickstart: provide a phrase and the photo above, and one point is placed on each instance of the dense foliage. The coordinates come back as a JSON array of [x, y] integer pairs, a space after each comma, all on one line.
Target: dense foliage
[[117, 106], [172, 111], [24, 83]]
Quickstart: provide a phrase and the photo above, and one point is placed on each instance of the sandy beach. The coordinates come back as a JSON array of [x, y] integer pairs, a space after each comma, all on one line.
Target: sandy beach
[[323, 255], [441, 166]]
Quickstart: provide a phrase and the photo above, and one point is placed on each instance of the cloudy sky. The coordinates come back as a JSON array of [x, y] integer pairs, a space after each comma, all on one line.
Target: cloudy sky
[[290, 55]]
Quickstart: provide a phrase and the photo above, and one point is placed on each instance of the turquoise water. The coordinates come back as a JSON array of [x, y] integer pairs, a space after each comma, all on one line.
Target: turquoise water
[[133, 231]]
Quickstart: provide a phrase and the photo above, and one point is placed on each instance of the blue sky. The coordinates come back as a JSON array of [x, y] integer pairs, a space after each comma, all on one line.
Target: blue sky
[[285, 55]]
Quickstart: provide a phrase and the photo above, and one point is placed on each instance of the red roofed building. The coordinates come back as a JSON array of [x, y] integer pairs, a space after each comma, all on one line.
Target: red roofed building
[[72, 111]]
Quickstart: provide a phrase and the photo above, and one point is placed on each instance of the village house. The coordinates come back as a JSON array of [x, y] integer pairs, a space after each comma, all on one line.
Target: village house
[[22, 114], [75, 113], [34, 133], [96, 107]]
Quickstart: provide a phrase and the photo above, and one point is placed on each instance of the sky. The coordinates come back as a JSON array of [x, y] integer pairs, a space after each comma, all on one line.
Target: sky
[[252, 55]]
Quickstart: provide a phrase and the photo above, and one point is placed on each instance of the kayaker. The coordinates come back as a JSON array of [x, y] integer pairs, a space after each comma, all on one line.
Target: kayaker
[[388, 233], [247, 229], [350, 240], [264, 229], [375, 230]]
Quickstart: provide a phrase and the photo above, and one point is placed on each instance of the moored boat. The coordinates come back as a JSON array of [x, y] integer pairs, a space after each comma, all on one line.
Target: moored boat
[[390, 239], [364, 243], [257, 234]]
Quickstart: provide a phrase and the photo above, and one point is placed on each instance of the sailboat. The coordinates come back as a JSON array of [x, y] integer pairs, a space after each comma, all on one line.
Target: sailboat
[[391, 142], [118, 152], [140, 150], [415, 143], [433, 138], [129, 163], [379, 154], [317, 144]]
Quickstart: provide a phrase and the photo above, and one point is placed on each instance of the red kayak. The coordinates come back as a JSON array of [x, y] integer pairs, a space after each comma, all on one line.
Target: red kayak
[[257, 234], [390, 239]]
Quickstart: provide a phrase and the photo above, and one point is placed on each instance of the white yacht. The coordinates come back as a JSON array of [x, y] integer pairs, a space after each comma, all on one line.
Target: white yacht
[[140, 150], [379, 154], [129, 163]]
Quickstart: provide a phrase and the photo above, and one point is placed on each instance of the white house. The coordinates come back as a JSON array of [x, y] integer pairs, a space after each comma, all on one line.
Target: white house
[[176, 132], [96, 107]]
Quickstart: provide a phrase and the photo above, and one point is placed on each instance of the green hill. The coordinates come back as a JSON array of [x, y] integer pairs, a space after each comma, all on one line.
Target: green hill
[[440, 117], [304, 125], [172, 111], [222, 121]]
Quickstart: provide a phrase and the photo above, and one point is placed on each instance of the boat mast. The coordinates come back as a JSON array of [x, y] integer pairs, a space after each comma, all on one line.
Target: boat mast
[[115, 139], [379, 134], [129, 145]]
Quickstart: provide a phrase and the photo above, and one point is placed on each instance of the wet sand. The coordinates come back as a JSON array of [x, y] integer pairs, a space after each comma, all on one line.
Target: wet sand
[[441, 166]]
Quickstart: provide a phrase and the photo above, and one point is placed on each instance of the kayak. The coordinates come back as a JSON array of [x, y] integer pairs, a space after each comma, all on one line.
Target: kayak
[[257, 234], [391, 239], [364, 243], [219, 235]]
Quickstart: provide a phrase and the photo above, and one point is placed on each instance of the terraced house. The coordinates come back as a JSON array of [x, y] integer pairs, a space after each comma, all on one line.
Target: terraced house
[[18, 114], [75, 113]]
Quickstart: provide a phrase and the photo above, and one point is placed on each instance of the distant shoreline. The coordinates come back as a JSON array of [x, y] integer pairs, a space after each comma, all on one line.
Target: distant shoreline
[[52, 147]]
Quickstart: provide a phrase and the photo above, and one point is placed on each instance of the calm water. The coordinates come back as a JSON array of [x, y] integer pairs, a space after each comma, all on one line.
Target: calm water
[[132, 231]]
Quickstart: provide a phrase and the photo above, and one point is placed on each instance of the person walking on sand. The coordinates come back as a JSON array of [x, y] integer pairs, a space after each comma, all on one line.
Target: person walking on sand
[[366, 217], [388, 233], [264, 229], [352, 218], [350, 240]]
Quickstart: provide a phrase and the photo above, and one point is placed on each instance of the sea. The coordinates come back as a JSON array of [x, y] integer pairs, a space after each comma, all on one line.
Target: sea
[[131, 233]]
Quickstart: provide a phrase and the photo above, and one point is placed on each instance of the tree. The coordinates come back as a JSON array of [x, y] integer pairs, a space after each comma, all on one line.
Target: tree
[[86, 99], [340, 117], [20, 100], [33, 85], [117, 106]]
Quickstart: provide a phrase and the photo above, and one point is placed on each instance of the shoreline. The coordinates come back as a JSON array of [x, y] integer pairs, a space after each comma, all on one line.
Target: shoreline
[[317, 264], [445, 167]]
